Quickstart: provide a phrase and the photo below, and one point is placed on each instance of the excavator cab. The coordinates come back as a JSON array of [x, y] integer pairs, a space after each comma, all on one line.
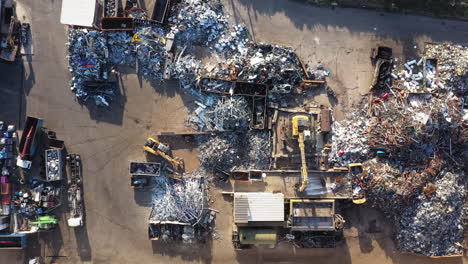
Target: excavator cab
[[157, 148]]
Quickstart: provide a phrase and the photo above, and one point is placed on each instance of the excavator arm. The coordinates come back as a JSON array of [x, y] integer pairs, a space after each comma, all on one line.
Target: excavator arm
[[304, 170]]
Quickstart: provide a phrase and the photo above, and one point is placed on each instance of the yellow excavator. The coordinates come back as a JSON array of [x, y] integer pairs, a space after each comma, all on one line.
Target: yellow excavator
[[157, 148], [301, 130]]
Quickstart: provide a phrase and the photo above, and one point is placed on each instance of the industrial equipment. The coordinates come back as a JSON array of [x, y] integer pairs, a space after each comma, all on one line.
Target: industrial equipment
[[301, 130], [382, 59], [157, 148], [75, 203], [45, 222]]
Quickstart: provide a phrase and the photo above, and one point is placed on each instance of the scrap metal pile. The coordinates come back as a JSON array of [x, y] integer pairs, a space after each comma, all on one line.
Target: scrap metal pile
[[349, 139], [151, 52], [433, 225], [442, 69], [88, 61], [198, 22], [414, 148], [122, 51], [179, 200], [229, 151], [222, 113]]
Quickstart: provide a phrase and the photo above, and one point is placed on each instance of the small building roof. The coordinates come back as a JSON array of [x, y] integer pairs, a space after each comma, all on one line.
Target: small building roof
[[258, 207], [78, 12]]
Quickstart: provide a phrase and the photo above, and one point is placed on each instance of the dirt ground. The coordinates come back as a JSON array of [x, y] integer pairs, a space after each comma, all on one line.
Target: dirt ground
[[116, 216]]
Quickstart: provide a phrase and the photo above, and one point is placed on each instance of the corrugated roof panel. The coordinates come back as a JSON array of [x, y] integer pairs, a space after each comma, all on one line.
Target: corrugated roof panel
[[258, 207]]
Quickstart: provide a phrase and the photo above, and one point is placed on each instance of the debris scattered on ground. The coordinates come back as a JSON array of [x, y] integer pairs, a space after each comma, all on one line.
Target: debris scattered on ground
[[222, 113], [433, 225], [413, 146], [179, 200], [87, 59], [259, 147], [452, 65], [229, 151], [122, 50], [269, 64], [349, 140], [234, 42], [222, 152], [197, 22], [187, 69], [151, 52]]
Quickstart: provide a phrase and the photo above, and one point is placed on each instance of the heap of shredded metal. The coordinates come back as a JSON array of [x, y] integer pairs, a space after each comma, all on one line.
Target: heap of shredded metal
[[180, 200], [151, 52], [121, 48], [223, 152], [198, 22], [86, 58], [433, 225]]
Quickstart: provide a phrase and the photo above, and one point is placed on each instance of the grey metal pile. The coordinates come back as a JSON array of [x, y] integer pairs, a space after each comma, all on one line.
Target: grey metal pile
[[349, 140], [259, 147], [87, 58], [433, 226], [222, 152], [151, 52], [234, 42], [275, 65], [181, 200], [121, 49], [221, 113], [187, 69], [198, 22], [229, 151], [215, 85]]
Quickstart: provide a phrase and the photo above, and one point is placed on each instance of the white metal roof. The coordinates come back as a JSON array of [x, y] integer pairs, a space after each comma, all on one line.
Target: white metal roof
[[78, 12], [258, 207]]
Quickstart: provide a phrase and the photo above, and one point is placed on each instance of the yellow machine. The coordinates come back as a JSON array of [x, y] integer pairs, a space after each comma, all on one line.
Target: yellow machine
[[301, 129], [157, 148]]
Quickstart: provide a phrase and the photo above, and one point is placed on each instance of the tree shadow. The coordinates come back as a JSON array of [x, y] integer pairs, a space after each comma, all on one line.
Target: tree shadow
[[389, 25]]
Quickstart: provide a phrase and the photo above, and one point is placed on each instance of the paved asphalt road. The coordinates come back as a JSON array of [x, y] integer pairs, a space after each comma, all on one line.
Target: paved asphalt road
[[115, 230]]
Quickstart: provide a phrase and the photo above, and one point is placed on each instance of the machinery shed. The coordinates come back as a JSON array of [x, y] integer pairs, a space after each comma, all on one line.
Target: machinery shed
[[257, 208]]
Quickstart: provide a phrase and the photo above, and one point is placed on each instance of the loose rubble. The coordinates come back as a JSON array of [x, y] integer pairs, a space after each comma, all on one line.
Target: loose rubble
[[151, 52], [122, 51], [259, 144], [180, 200], [222, 113], [433, 225], [412, 140], [87, 62], [222, 152], [349, 140], [197, 22]]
